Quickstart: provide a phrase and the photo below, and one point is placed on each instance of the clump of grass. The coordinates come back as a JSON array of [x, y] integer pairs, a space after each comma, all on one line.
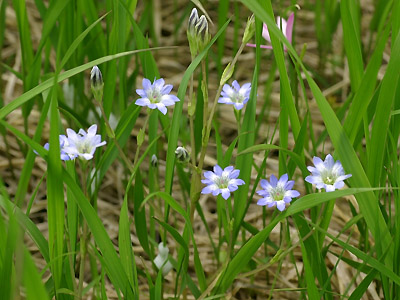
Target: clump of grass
[[167, 240]]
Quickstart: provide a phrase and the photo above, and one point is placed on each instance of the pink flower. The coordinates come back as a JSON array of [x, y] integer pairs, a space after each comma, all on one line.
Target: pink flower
[[286, 27]]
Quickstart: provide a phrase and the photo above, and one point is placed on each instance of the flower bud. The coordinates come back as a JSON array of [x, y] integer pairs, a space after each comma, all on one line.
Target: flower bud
[[193, 19], [161, 261], [202, 35], [182, 155], [227, 74], [197, 32], [97, 84], [250, 29], [154, 160]]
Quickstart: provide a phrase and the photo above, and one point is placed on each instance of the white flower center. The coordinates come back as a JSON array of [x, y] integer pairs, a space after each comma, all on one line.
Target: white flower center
[[277, 193], [328, 177], [84, 147], [154, 95], [222, 182], [238, 98]]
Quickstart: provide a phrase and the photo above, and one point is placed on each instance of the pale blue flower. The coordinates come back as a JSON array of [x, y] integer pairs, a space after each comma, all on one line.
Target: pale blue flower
[[64, 142], [221, 181], [328, 174], [83, 144], [156, 95], [236, 95], [277, 192]]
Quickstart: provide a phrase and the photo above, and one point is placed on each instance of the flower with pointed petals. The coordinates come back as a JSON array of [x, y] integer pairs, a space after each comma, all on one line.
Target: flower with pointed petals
[[156, 95], [64, 142], [285, 26], [236, 95], [221, 181], [83, 144], [277, 192], [328, 174]]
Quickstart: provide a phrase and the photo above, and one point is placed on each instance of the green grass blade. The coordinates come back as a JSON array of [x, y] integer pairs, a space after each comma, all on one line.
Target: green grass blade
[[113, 264], [17, 102], [382, 115], [364, 94], [55, 194], [352, 43], [35, 289], [31, 229]]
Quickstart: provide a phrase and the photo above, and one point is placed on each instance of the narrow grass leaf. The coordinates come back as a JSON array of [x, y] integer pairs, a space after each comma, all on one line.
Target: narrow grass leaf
[[35, 289], [352, 44], [382, 115], [113, 264]]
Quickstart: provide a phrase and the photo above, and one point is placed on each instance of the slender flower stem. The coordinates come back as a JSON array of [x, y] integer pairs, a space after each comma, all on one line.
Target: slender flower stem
[[84, 237], [195, 184], [191, 123], [121, 152], [139, 145], [204, 90]]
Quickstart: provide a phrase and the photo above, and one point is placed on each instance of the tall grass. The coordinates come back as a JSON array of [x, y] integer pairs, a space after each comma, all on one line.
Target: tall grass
[[80, 259]]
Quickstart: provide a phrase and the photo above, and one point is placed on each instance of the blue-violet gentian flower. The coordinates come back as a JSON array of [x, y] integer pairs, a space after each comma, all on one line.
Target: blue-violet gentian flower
[[277, 192], [285, 26], [156, 95], [236, 95], [83, 144], [221, 181], [328, 174]]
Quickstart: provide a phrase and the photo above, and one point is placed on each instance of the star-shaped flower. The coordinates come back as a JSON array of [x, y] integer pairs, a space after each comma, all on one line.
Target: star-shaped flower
[[83, 144], [236, 95], [277, 192], [156, 95], [221, 181], [328, 174]]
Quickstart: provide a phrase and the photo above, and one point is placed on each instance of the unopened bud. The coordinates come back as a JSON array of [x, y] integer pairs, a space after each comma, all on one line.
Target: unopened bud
[[97, 84], [182, 155], [250, 29], [161, 261], [154, 160], [226, 74], [202, 35], [193, 19], [197, 32]]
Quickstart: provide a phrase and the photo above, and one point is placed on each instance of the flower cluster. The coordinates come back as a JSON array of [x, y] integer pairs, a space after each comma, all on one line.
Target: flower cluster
[[197, 32], [326, 174], [82, 144], [156, 95], [235, 95], [285, 26]]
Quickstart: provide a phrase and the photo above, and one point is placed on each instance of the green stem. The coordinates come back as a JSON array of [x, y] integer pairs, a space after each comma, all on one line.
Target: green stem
[[84, 236], [195, 184], [111, 131]]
